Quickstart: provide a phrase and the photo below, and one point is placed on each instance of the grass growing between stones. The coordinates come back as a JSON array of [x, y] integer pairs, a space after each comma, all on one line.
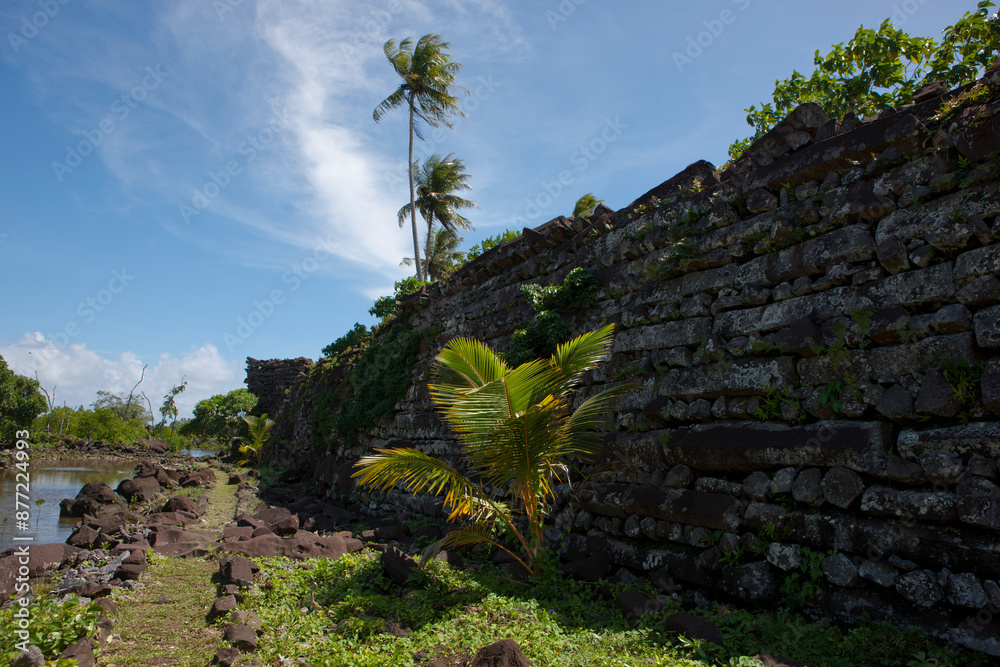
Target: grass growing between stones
[[164, 624], [339, 612]]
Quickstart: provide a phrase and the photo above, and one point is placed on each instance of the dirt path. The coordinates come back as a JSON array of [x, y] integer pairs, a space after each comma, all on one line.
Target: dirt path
[[163, 625]]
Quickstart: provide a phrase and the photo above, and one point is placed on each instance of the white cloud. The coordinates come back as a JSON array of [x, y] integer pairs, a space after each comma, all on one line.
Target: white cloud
[[77, 372]]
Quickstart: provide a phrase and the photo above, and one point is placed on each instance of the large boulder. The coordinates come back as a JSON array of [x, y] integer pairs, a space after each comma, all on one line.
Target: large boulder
[[302, 546], [182, 503], [504, 653], [139, 489], [204, 477], [91, 499]]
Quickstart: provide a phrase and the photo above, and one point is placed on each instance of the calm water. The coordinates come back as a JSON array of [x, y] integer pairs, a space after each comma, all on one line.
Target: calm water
[[52, 482]]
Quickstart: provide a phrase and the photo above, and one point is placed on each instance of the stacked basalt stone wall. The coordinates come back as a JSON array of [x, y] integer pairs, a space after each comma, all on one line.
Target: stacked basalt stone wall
[[814, 333], [269, 379]]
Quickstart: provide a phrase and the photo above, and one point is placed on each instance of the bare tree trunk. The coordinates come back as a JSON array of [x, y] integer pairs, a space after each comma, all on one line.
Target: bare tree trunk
[[129, 402], [150, 413], [50, 400], [413, 203]]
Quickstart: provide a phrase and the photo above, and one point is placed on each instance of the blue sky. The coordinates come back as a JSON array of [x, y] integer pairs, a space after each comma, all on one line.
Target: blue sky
[[190, 182]]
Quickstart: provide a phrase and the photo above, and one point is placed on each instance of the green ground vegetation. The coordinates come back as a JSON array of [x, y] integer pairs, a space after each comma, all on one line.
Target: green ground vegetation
[[337, 612]]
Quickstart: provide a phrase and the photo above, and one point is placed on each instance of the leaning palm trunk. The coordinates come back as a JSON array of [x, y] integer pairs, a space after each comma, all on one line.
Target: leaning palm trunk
[[516, 430]]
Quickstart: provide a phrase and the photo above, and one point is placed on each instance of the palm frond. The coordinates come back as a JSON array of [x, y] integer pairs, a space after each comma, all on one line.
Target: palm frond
[[576, 357], [396, 100], [417, 473], [466, 363]]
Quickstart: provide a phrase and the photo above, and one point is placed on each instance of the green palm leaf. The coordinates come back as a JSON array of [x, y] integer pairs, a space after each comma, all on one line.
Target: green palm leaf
[[516, 428]]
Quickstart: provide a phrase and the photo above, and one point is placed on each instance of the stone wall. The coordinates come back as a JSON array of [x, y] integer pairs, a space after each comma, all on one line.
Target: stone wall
[[269, 379], [814, 334]]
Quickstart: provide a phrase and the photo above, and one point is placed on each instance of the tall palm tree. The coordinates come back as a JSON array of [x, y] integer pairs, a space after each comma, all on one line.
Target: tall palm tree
[[436, 181], [428, 74], [442, 258], [516, 428]]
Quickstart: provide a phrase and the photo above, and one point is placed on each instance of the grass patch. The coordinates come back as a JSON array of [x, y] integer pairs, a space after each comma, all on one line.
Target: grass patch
[[164, 623], [337, 612]]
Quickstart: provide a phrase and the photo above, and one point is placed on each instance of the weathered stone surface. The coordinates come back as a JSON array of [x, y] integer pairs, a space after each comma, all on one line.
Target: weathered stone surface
[[900, 470], [935, 216], [692, 626], [936, 396], [678, 477], [711, 510], [842, 486], [241, 636], [397, 565], [887, 322], [743, 377], [83, 537], [990, 386], [139, 489], [987, 324], [782, 481], [204, 477], [920, 587], [955, 318], [979, 503], [896, 404], [808, 488], [839, 570], [913, 505], [913, 288], [675, 333], [879, 571], [941, 468], [977, 438], [983, 291], [82, 650], [247, 618], [982, 466], [757, 486], [761, 200], [222, 606], [860, 446], [182, 503], [226, 656], [752, 582], [802, 337], [236, 533], [965, 590], [892, 255], [888, 364], [236, 570], [504, 653], [785, 557], [812, 257], [303, 545]]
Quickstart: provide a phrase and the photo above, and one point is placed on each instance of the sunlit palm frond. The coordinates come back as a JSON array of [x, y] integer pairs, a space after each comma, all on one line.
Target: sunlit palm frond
[[466, 363], [417, 473], [577, 356]]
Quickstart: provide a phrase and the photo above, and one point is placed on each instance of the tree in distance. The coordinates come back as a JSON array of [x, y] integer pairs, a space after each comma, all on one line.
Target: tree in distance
[[21, 400]]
